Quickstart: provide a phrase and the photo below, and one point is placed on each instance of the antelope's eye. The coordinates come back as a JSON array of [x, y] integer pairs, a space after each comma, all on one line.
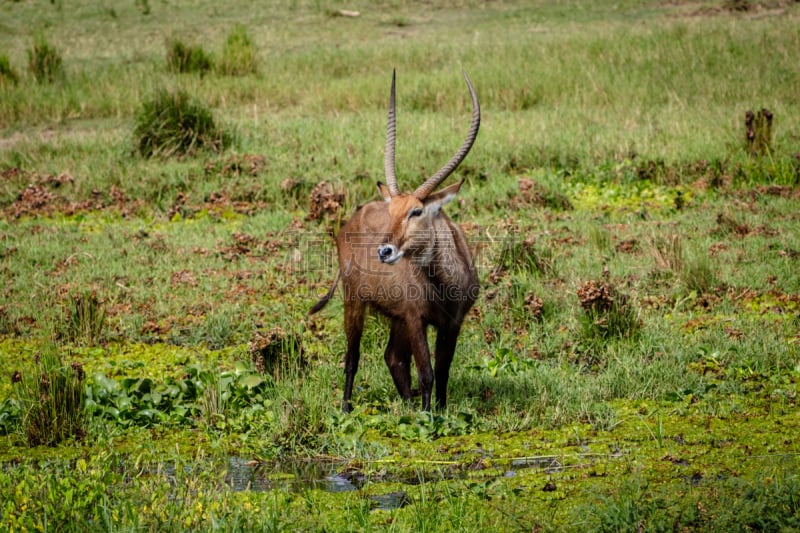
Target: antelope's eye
[[417, 211]]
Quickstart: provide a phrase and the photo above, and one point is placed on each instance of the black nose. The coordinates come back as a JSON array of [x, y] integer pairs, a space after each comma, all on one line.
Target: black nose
[[384, 252]]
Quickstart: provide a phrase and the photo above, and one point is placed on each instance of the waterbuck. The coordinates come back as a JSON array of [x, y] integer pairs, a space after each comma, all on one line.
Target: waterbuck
[[404, 258]]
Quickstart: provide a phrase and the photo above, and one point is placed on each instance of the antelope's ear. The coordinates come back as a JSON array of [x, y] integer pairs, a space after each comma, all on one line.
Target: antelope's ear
[[384, 190], [436, 200]]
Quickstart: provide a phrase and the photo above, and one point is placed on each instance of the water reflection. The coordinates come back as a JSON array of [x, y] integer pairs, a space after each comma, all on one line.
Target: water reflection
[[245, 474]]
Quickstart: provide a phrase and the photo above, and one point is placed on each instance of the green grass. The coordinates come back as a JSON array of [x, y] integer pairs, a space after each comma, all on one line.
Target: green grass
[[612, 148]]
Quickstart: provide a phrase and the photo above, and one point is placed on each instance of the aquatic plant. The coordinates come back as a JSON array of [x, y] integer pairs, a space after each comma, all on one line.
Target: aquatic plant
[[85, 319], [50, 398]]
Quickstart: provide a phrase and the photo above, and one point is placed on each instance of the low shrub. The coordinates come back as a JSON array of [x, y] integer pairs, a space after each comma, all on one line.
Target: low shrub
[[172, 123]]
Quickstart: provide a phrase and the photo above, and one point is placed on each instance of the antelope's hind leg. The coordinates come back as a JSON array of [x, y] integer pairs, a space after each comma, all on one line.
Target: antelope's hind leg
[[354, 327], [446, 339]]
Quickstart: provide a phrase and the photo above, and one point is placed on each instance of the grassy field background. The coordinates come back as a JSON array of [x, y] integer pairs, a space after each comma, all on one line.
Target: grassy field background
[[631, 364]]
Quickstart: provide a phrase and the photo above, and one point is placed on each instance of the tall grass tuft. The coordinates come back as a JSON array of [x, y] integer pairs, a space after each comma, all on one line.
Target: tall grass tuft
[[277, 353], [85, 319], [214, 403], [238, 54], [44, 62], [607, 312], [301, 418], [8, 75], [698, 276], [667, 251], [172, 123], [523, 256], [600, 239], [758, 132], [51, 399], [187, 59]]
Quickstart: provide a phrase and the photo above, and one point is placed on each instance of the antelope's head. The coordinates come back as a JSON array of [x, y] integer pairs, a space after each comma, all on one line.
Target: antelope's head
[[411, 216]]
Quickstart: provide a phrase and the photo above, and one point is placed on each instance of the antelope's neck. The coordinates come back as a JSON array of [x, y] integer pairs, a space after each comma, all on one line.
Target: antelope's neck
[[451, 261]]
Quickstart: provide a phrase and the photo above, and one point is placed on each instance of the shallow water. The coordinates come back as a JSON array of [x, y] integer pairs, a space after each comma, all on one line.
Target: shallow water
[[244, 474], [339, 476]]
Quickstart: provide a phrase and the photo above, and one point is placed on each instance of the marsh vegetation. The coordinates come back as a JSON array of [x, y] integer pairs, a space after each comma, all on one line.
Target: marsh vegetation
[[166, 222]]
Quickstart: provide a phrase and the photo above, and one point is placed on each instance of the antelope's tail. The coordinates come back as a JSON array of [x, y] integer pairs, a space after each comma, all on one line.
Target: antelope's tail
[[324, 301]]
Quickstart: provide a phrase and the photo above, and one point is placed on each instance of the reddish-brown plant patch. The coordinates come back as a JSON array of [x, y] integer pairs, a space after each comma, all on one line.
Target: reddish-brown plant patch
[[628, 246], [183, 277], [596, 296], [324, 201], [238, 164], [36, 199], [534, 304]]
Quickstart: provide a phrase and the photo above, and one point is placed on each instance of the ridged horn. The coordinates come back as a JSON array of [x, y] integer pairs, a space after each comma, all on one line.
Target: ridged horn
[[391, 133], [431, 183]]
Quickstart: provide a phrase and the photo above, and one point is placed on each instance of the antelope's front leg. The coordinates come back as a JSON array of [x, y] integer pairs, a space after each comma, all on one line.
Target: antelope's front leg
[[422, 358], [398, 358], [446, 338]]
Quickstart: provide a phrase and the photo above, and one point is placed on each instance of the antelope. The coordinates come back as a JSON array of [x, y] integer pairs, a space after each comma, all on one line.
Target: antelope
[[404, 258]]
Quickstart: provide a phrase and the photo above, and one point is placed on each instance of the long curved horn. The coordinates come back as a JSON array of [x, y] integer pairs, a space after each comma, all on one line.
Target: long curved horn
[[388, 158], [431, 183]]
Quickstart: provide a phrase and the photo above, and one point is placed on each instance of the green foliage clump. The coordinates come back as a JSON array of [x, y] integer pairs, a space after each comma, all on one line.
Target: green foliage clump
[[218, 398], [8, 75], [51, 400], [172, 123], [45, 62], [9, 413], [505, 361], [185, 58], [238, 54]]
